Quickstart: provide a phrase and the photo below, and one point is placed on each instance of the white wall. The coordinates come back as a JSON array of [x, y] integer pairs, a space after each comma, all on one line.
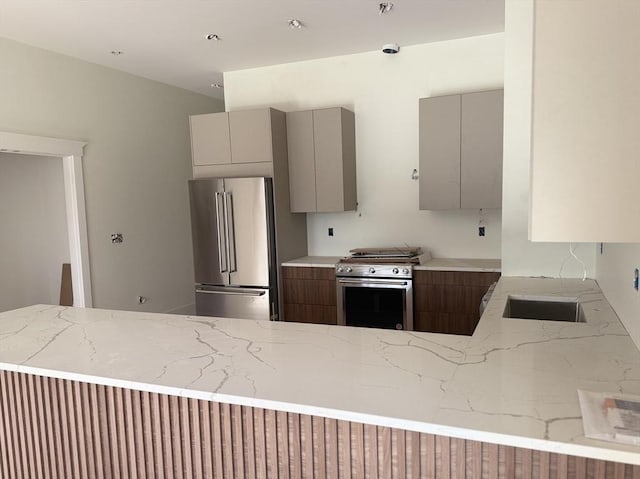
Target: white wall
[[34, 241], [521, 257], [615, 269], [383, 91], [136, 166]]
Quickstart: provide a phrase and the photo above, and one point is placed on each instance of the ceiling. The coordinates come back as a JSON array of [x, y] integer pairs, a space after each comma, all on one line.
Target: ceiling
[[164, 40]]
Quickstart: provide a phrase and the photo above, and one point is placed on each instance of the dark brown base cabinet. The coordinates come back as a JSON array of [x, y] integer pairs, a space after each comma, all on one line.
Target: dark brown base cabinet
[[57, 428], [309, 295], [449, 301]]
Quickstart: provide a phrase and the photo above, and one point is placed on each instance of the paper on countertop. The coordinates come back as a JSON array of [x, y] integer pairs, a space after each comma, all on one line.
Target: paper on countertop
[[611, 416]]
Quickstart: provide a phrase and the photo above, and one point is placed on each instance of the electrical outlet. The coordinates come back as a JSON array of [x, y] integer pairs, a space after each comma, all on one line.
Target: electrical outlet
[[636, 279], [330, 231], [480, 230]]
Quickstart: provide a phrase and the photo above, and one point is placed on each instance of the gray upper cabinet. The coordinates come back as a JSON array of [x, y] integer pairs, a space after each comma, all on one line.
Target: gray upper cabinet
[[235, 137], [210, 143], [481, 150], [461, 151], [302, 165], [440, 152], [322, 160]]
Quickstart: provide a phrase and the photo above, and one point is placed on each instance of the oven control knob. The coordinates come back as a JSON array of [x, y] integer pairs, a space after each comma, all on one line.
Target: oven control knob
[[395, 270], [405, 271], [349, 269], [339, 269], [372, 270]]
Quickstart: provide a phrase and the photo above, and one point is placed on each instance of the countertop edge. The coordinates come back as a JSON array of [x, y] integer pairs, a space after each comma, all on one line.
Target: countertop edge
[[437, 264], [457, 268], [582, 450]]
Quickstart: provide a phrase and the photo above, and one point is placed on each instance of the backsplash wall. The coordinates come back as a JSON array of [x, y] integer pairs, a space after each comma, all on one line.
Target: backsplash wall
[[615, 267], [383, 91]]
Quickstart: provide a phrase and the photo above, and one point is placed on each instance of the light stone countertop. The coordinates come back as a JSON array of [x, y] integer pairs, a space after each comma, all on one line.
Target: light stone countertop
[[513, 382], [314, 261], [428, 263], [461, 264]]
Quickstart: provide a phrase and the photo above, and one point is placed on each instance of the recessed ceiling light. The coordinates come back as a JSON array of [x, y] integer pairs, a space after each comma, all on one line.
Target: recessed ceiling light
[[213, 36], [294, 23], [384, 7], [217, 85], [116, 52]]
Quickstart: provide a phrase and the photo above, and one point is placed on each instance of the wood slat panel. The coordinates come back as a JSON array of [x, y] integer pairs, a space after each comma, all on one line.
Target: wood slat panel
[[164, 429], [319, 448], [428, 455], [216, 421], [54, 428], [295, 450], [271, 441], [371, 451], [413, 454], [476, 460], [282, 436], [306, 440], [227, 440], [261, 443], [6, 442], [358, 451], [331, 438], [249, 442]]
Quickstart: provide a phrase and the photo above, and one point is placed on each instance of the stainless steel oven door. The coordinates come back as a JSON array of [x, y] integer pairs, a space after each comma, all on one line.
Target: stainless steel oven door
[[375, 303]]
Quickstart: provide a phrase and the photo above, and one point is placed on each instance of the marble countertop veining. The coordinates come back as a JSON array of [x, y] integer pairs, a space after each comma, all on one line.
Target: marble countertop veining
[[513, 382]]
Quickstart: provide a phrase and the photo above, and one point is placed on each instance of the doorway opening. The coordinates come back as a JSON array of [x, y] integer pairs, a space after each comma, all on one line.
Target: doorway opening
[[71, 153]]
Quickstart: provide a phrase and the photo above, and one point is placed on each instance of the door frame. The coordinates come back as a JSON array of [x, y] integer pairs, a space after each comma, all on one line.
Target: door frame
[[71, 152]]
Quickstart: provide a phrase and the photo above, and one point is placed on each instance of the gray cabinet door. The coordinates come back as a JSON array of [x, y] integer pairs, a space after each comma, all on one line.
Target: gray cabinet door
[[250, 132], [210, 143], [481, 150], [440, 152], [327, 128], [302, 171], [348, 160]]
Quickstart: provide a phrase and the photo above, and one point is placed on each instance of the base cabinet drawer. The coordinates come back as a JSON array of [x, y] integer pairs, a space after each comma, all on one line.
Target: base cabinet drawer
[[309, 295]]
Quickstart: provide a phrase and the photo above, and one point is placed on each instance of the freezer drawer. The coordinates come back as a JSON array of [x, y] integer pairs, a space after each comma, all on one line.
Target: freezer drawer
[[232, 302]]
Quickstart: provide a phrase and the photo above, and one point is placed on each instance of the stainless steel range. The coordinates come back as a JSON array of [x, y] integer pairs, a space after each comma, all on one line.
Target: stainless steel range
[[375, 288]]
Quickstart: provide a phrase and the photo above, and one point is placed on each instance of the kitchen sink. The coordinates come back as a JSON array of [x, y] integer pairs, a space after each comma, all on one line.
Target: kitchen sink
[[551, 308]]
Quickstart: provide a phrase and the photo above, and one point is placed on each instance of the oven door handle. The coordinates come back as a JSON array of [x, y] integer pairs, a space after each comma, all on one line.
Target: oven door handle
[[373, 281]]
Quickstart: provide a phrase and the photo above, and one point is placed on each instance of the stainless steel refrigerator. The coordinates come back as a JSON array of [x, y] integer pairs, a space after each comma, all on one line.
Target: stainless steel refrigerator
[[232, 224]]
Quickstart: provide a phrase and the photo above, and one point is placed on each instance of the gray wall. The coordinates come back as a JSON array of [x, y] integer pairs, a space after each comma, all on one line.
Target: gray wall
[[33, 239], [136, 166]]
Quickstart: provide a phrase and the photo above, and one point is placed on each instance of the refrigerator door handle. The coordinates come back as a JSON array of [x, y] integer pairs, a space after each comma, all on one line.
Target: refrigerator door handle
[[239, 292], [221, 231], [231, 232]]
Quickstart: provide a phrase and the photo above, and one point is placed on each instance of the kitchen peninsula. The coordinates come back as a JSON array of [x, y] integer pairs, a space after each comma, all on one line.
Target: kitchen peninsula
[[316, 398]]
